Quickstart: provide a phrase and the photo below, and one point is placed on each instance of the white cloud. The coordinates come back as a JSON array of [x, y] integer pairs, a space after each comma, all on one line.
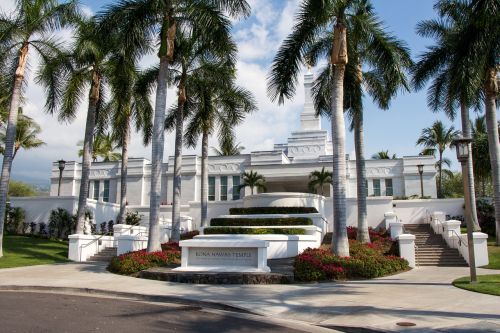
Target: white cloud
[[258, 39]]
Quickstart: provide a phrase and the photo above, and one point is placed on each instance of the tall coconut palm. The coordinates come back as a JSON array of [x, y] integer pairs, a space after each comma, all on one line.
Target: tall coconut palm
[[253, 180], [320, 179], [129, 105], [438, 137], [312, 18], [28, 29], [383, 155], [377, 66], [466, 29], [67, 79], [27, 132], [215, 105], [190, 61], [140, 22], [482, 163]]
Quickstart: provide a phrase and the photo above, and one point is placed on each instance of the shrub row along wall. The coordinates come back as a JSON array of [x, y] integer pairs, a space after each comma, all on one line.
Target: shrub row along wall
[[272, 210], [253, 231], [253, 222]]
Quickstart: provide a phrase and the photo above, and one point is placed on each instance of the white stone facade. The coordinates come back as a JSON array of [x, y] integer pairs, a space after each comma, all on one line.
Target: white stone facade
[[286, 169]]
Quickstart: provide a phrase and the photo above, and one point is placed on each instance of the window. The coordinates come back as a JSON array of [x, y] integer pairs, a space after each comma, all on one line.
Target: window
[[211, 188], [88, 192], [96, 190], [388, 187], [366, 187], [223, 188], [105, 196], [236, 187], [376, 187]]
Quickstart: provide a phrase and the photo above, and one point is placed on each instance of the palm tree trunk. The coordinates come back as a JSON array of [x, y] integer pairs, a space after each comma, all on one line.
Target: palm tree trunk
[[87, 152], [363, 234], [124, 170], [491, 93], [176, 205], [440, 189], [470, 208], [340, 244], [10, 137], [204, 179], [157, 144]]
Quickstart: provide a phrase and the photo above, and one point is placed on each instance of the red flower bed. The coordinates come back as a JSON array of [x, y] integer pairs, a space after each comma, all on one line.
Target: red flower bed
[[366, 261], [133, 262]]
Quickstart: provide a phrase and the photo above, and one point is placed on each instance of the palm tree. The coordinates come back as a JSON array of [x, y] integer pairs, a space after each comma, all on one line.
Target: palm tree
[[253, 180], [377, 66], [66, 78], [482, 163], [228, 147], [129, 102], [464, 64], [139, 22], [320, 179], [28, 29], [215, 104], [104, 147], [383, 155], [312, 18], [27, 132], [438, 137], [190, 61], [445, 162]]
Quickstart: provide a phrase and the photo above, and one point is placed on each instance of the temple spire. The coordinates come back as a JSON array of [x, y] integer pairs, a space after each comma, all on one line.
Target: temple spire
[[308, 120]]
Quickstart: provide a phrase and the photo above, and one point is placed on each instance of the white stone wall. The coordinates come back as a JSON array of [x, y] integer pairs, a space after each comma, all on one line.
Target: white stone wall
[[414, 211]]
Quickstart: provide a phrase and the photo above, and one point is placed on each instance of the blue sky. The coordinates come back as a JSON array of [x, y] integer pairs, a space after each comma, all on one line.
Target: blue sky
[[258, 38]]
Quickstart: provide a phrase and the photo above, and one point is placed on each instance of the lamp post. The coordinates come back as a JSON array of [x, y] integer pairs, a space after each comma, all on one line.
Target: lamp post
[[462, 146], [421, 172], [62, 165]]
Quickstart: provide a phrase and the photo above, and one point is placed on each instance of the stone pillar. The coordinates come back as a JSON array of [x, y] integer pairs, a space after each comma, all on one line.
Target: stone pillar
[[480, 248], [451, 232], [407, 248], [128, 243], [396, 229], [389, 217]]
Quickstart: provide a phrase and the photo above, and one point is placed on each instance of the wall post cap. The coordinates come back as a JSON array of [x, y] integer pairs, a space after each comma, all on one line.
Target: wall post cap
[[406, 237], [452, 223]]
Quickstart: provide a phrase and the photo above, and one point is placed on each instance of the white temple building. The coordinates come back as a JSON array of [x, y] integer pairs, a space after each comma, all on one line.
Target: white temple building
[[286, 169]]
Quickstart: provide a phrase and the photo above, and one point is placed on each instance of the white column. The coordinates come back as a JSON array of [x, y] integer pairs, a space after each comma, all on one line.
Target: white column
[[407, 249]]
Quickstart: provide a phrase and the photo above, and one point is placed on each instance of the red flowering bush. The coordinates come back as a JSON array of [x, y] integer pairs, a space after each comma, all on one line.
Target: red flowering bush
[[366, 261], [133, 262]]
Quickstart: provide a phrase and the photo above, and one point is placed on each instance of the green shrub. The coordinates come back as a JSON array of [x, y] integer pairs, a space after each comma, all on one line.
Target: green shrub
[[61, 223], [133, 218], [272, 210], [133, 262], [253, 231], [189, 234], [15, 217], [254, 222], [366, 261]]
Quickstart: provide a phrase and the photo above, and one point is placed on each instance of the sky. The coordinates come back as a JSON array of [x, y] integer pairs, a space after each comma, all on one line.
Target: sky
[[258, 38]]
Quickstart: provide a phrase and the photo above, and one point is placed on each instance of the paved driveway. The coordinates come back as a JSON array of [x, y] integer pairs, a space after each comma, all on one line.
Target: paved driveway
[[423, 296]]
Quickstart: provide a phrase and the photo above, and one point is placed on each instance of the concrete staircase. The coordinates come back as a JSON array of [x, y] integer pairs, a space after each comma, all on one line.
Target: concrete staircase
[[105, 255], [431, 249]]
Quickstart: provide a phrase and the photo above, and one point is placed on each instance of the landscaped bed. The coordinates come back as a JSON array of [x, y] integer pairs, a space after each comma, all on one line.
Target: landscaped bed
[[242, 222], [29, 250], [487, 284], [366, 261], [253, 231]]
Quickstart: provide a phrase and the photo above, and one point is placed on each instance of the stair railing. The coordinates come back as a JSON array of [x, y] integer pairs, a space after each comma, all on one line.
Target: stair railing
[[97, 240], [460, 239]]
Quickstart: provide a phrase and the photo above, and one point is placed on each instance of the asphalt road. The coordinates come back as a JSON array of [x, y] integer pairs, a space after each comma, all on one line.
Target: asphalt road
[[43, 312]]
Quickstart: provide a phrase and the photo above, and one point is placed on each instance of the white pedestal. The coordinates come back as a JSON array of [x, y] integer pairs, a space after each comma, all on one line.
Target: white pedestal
[[128, 243], [407, 248], [242, 256], [389, 217], [396, 229]]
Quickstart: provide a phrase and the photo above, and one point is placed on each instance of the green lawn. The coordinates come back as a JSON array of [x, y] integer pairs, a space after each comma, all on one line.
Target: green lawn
[[487, 284], [27, 251], [493, 254]]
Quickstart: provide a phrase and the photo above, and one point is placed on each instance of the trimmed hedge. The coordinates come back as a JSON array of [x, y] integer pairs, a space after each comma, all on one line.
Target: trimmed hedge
[[253, 231], [272, 210], [252, 222], [133, 262]]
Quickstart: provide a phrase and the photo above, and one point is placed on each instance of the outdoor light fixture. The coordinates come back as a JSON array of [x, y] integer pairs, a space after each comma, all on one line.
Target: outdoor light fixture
[[462, 147], [421, 172], [62, 165]]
